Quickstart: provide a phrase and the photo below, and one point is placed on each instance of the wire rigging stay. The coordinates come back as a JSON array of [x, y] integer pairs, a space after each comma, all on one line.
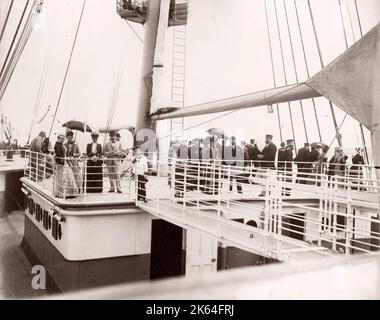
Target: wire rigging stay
[[272, 65], [323, 65], [284, 70], [307, 67], [67, 67]]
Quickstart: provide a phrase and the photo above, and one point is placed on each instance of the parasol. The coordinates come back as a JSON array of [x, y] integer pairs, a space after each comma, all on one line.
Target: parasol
[[78, 125]]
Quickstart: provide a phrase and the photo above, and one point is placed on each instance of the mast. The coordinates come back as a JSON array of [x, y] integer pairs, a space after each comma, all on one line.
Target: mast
[[146, 83]]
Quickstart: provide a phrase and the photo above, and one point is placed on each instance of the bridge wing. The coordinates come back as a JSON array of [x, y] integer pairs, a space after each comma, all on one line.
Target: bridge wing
[[352, 81]]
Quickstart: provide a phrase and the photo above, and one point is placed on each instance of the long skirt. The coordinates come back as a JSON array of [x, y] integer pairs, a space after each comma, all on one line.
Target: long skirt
[[65, 184], [94, 183]]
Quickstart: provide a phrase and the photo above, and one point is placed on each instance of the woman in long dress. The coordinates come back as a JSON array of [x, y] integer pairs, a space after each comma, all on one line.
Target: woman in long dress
[[64, 185], [73, 153]]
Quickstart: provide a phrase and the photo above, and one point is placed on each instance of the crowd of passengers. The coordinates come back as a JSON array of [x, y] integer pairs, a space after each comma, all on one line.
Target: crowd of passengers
[[243, 161], [70, 180]]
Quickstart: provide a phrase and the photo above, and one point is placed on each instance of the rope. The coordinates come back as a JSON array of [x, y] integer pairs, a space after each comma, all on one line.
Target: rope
[[295, 69], [134, 31], [340, 127], [6, 19], [361, 35], [307, 69], [14, 39], [323, 65], [40, 90], [27, 31], [284, 70], [272, 63], [68, 67]]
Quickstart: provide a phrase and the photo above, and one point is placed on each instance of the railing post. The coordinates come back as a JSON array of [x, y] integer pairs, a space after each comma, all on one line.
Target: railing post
[[228, 197], [172, 178], [158, 189], [85, 177], [198, 183], [349, 220], [184, 193]]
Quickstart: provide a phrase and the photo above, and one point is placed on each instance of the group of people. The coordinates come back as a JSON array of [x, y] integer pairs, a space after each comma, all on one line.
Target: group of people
[[66, 156], [311, 162]]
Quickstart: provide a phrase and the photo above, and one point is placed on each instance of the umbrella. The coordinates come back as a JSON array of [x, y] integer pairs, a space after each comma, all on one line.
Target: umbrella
[[314, 144], [217, 132], [78, 125]]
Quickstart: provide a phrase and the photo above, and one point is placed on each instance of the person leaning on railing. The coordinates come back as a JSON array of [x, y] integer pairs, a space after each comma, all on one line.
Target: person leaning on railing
[[94, 175]]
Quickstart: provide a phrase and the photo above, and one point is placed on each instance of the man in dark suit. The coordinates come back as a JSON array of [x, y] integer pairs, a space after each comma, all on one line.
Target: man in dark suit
[[301, 160], [268, 154], [94, 182], [235, 159], [267, 157], [356, 169]]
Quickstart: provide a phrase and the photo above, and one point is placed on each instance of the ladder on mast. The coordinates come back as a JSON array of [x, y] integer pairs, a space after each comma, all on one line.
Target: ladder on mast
[[178, 68]]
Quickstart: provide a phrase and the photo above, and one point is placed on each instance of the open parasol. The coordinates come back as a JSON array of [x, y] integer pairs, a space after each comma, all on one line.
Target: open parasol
[[78, 125]]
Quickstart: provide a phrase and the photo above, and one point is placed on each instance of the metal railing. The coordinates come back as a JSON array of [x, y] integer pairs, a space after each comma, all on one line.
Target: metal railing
[[332, 210], [317, 208]]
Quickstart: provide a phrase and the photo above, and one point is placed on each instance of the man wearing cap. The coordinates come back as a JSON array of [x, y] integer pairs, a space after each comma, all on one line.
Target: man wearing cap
[[267, 157], [113, 152], [94, 182], [36, 153], [268, 154]]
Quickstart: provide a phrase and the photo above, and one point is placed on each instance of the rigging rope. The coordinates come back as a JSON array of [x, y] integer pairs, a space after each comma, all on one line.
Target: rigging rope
[[134, 31], [115, 94], [14, 39], [307, 68], [21, 43], [272, 63], [6, 20], [284, 70], [346, 42], [295, 68], [323, 65], [67, 67], [40, 90]]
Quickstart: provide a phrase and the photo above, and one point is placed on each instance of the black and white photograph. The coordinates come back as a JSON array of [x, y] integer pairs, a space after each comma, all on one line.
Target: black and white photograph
[[189, 150]]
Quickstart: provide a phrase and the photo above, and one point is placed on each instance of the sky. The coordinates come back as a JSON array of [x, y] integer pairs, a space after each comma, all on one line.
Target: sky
[[227, 54]]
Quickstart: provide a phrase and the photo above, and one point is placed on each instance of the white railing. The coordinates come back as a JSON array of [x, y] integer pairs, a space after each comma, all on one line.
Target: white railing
[[336, 210], [313, 209]]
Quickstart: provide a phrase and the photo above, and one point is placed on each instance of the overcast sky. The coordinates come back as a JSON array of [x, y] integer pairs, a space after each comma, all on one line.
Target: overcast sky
[[227, 55]]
